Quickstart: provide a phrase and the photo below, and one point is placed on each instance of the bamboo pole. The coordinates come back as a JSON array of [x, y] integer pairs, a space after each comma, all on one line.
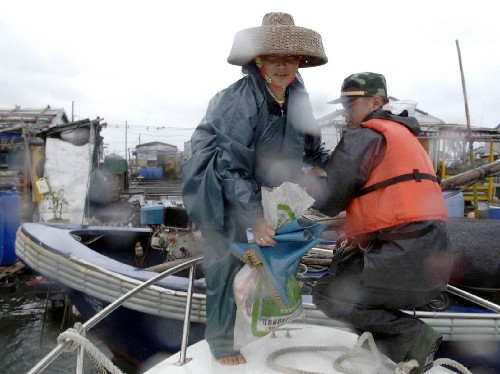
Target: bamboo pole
[[478, 173], [471, 147]]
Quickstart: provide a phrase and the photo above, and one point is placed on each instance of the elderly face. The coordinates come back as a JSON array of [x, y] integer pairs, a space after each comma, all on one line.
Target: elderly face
[[356, 109], [281, 68]]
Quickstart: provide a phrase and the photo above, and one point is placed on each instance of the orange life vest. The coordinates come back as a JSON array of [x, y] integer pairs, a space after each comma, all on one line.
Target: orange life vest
[[402, 188]]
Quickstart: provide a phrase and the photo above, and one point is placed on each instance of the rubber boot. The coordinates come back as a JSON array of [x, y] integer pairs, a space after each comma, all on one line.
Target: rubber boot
[[424, 348]]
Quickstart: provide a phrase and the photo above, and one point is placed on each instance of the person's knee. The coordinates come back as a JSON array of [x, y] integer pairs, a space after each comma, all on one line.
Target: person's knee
[[323, 302], [318, 294]]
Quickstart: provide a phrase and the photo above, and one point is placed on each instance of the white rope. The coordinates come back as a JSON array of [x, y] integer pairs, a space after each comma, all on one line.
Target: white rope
[[406, 367], [285, 369], [77, 339], [355, 351], [449, 362]]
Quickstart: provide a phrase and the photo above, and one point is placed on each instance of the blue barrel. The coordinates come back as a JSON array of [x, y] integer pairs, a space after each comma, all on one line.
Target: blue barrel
[[1, 231], [11, 208], [157, 173], [454, 200], [143, 172], [494, 212]]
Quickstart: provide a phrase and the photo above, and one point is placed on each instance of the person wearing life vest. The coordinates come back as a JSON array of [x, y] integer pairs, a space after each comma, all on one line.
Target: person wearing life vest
[[396, 253]]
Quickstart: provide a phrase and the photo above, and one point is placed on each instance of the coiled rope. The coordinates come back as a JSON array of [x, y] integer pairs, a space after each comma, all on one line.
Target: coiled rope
[[77, 339], [355, 351], [452, 363]]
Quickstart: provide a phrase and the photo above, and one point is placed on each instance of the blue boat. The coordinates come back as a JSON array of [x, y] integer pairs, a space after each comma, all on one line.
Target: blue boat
[[97, 265]]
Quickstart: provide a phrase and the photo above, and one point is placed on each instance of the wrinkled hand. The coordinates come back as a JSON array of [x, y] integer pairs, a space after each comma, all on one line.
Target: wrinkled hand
[[263, 233], [316, 171]]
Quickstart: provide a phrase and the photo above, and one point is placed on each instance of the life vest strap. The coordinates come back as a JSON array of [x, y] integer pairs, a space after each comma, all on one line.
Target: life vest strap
[[381, 236], [416, 176]]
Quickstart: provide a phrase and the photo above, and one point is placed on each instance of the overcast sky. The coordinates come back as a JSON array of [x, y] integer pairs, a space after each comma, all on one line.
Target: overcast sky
[[154, 65]]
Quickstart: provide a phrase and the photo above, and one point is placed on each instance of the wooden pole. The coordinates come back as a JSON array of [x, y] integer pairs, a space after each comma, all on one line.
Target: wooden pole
[[471, 146], [473, 175], [126, 153]]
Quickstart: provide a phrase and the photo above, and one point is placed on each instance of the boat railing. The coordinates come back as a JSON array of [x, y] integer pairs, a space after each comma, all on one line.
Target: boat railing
[[61, 347]]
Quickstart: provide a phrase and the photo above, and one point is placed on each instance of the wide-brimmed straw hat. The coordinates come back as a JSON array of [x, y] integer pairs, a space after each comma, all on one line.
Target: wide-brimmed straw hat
[[278, 35]]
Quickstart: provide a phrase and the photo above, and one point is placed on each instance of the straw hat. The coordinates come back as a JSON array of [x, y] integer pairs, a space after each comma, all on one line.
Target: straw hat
[[278, 35]]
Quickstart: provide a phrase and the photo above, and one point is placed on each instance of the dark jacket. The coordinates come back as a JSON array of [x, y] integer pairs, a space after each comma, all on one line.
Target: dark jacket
[[405, 256]]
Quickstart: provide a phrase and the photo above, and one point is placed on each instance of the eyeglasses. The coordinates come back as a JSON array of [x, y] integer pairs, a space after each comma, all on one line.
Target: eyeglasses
[[275, 58], [348, 104]]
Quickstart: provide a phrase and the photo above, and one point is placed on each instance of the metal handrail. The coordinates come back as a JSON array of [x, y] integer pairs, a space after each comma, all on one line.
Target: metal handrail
[[475, 299], [61, 347]]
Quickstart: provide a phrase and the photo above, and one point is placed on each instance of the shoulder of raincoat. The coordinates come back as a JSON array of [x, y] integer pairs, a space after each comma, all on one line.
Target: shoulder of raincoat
[[220, 170]]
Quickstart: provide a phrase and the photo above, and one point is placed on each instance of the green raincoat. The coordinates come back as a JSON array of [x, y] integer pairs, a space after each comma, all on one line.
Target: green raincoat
[[237, 148]]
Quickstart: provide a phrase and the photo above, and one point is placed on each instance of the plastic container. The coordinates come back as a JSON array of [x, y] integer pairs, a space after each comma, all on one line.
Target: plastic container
[[454, 201], [1, 231], [143, 172], [176, 217], [483, 211], [11, 208], [157, 173], [151, 214], [494, 212]]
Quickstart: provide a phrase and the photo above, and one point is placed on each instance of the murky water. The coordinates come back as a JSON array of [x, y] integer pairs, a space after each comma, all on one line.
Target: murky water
[[29, 328]]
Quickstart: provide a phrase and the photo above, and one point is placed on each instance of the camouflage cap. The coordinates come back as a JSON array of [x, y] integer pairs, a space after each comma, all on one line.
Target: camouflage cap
[[362, 84]]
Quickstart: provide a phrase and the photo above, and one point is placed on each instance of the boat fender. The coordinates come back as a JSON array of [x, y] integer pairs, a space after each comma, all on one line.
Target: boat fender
[[139, 251], [159, 241]]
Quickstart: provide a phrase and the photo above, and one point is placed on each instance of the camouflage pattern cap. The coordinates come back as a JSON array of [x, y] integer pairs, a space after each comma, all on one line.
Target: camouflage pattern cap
[[362, 84]]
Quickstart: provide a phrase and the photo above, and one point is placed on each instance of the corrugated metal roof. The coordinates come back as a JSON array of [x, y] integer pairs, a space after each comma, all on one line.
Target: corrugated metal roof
[[36, 120], [156, 145]]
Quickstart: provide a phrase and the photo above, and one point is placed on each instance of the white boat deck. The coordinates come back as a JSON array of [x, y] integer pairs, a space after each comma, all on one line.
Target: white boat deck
[[308, 336]]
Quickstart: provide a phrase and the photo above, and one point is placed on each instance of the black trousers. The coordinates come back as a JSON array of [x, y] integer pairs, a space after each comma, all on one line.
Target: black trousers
[[367, 289]]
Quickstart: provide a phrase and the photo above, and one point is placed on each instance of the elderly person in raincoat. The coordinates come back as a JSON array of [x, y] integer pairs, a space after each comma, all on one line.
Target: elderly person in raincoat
[[260, 131]]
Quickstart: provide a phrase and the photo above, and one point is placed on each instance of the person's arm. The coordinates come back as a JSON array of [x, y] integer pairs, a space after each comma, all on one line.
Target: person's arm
[[314, 153], [234, 120], [348, 169]]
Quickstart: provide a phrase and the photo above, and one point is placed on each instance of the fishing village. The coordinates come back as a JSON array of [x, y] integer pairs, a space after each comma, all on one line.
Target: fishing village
[[86, 231], [205, 187]]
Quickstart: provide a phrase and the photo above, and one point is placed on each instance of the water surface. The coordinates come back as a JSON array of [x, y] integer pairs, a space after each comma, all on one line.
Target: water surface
[[29, 327]]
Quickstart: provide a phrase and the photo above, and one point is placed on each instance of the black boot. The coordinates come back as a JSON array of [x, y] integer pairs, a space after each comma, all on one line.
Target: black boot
[[424, 348]]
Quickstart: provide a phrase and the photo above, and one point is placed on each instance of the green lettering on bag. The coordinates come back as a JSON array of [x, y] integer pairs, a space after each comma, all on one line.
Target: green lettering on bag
[[267, 315], [285, 214]]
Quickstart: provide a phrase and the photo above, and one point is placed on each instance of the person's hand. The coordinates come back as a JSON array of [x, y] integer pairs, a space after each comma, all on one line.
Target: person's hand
[[314, 182], [263, 233], [316, 171]]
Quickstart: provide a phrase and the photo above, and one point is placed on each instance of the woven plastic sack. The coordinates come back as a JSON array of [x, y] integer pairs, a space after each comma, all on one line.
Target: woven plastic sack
[[257, 312], [266, 291]]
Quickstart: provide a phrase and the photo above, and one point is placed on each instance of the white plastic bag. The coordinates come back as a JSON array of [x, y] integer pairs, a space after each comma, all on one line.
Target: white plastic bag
[[42, 186], [285, 203]]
